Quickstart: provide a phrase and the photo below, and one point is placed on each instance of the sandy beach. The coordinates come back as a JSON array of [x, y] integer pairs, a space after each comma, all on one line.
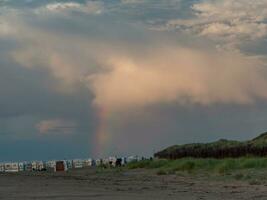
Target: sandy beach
[[127, 185]]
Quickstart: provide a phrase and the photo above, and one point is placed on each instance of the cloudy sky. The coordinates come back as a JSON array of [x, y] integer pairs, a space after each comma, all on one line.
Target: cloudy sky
[[119, 77]]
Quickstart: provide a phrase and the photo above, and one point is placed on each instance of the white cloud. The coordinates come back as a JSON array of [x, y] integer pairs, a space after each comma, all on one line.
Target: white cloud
[[132, 1], [63, 6], [169, 2], [90, 7], [231, 21]]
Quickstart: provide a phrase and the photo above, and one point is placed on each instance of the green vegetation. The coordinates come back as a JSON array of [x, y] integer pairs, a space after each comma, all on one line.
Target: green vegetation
[[224, 159], [219, 149], [221, 166], [228, 159]]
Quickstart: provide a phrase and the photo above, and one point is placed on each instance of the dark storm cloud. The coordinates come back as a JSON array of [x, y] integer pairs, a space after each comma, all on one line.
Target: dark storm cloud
[[165, 125], [27, 93]]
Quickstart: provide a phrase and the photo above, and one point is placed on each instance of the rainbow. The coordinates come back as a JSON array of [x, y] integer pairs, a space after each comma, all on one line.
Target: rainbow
[[101, 136]]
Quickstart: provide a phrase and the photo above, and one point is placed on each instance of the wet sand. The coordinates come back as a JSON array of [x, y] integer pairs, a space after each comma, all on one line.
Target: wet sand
[[125, 185]]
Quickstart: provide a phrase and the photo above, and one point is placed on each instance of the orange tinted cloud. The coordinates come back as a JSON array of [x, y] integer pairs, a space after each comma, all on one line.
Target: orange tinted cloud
[[179, 75]]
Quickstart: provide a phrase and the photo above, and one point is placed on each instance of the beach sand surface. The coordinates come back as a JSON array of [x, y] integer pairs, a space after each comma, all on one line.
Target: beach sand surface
[[123, 185]]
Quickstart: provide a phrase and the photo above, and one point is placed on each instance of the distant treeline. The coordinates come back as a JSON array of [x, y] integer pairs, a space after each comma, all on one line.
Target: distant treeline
[[219, 149]]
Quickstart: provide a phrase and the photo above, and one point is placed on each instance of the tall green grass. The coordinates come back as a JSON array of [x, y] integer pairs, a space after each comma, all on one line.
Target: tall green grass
[[193, 164]]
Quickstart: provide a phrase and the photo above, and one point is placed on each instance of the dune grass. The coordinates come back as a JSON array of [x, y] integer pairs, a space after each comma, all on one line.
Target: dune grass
[[219, 149], [221, 166]]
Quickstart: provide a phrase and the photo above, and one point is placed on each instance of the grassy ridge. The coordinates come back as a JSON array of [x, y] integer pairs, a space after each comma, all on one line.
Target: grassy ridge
[[219, 149], [192, 164]]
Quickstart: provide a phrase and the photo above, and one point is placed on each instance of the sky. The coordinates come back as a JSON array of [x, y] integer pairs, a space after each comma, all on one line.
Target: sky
[[94, 78]]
